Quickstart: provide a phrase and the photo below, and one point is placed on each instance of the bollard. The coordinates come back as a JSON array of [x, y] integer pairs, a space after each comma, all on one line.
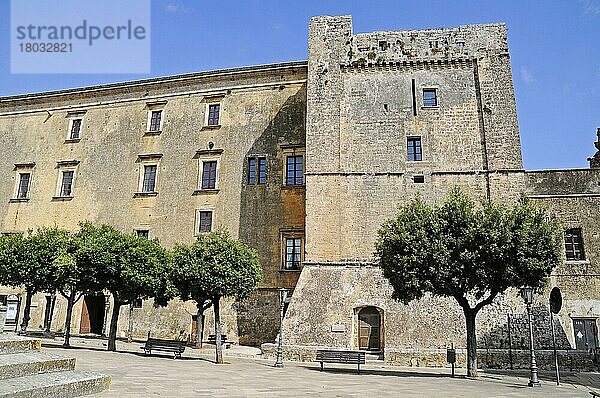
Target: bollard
[[451, 357], [2, 317]]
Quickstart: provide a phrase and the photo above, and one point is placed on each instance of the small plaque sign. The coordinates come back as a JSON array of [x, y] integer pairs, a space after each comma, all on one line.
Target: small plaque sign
[[338, 328]]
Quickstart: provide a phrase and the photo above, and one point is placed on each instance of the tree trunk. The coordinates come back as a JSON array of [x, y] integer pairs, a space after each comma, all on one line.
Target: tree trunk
[[199, 326], [27, 310], [70, 304], [218, 342], [114, 319], [51, 313], [202, 328], [470, 315]]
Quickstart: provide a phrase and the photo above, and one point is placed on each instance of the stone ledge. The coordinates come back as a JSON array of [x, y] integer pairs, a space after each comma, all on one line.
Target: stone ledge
[[436, 357]]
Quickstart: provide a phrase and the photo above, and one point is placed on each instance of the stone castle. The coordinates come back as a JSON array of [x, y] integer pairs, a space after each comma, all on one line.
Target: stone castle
[[303, 161]]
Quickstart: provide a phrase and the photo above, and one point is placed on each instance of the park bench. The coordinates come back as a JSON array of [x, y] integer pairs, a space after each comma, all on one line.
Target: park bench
[[338, 356], [595, 394], [212, 339], [175, 346]]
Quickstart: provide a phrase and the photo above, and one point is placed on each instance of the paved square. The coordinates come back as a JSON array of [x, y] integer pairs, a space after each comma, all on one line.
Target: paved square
[[196, 376]]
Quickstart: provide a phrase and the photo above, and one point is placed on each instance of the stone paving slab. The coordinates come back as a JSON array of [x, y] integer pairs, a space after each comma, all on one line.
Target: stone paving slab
[[135, 375]]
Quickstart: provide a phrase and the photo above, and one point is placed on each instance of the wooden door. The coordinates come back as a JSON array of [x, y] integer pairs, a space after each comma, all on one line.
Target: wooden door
[[369, 329], [84, 326]]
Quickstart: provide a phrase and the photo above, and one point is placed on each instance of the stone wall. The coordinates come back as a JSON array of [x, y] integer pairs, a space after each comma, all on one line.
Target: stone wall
[[262, 113]]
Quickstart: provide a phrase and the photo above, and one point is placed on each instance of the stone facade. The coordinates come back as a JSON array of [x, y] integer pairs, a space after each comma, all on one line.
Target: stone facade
[[262, 113], [366, 99], [355, 112]]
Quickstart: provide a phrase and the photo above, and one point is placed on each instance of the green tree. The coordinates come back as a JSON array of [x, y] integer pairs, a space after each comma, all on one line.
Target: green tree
[[76, 278], [133, 268], [467, 251], [215, 266], [187, 278], [28, 260]]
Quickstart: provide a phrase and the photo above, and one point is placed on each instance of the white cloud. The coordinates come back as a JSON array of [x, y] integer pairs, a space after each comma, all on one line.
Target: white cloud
[[527, 76], [591, 7], [174, 8]]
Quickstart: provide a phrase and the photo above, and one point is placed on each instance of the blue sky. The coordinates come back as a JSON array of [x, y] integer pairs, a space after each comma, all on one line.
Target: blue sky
[[555, 53]]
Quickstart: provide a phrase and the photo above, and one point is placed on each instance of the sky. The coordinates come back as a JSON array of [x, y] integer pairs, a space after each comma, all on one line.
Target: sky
[[554, 47]]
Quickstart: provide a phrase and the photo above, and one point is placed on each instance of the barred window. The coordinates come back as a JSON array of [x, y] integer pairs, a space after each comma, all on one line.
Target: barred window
[[574, 245], [143, 233]]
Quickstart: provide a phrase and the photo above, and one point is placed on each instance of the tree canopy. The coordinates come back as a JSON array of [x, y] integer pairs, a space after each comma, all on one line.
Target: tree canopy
[[469, 251], [132, 267], [215, 266], [29, 260]]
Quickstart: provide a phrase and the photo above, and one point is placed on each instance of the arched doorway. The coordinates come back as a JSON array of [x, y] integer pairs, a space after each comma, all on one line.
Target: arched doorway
[[92, 314], [369, 329]]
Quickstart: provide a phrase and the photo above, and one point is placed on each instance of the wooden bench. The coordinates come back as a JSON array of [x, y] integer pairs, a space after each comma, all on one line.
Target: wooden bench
[[595, 394], [175, 346], [212, 339], [338, 356]]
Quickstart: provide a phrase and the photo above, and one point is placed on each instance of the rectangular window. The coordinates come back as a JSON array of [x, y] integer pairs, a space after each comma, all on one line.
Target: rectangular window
[[430, 97], [293, 171], [23, 189], [293, 253], [66, 185], [209, 174], [419, 179], [574, 245], [149, 178], [143, 233], [257, 171], [414, 149], [155, 119], [262, 170], [205, 221], [252, 171], [213, 114], [75, 133]]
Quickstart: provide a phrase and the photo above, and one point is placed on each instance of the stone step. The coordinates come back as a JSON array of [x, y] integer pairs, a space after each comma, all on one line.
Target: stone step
[[33, 362], [64, 384], [373, 357], [11, 344]]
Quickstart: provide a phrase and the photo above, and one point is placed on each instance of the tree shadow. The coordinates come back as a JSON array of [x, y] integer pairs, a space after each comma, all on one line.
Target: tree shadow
[[138, 354], [383, 372]]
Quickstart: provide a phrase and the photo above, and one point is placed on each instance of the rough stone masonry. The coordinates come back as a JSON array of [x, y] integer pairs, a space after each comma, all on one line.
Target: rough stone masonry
[[307, 159]]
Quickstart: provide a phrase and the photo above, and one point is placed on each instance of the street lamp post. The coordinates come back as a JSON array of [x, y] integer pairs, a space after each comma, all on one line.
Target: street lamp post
[[282, 298], [527, 295]]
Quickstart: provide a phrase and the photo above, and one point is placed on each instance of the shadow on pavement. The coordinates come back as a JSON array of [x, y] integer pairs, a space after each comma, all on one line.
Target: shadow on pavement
[[586, 379], [382, 372], [139, 354]]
